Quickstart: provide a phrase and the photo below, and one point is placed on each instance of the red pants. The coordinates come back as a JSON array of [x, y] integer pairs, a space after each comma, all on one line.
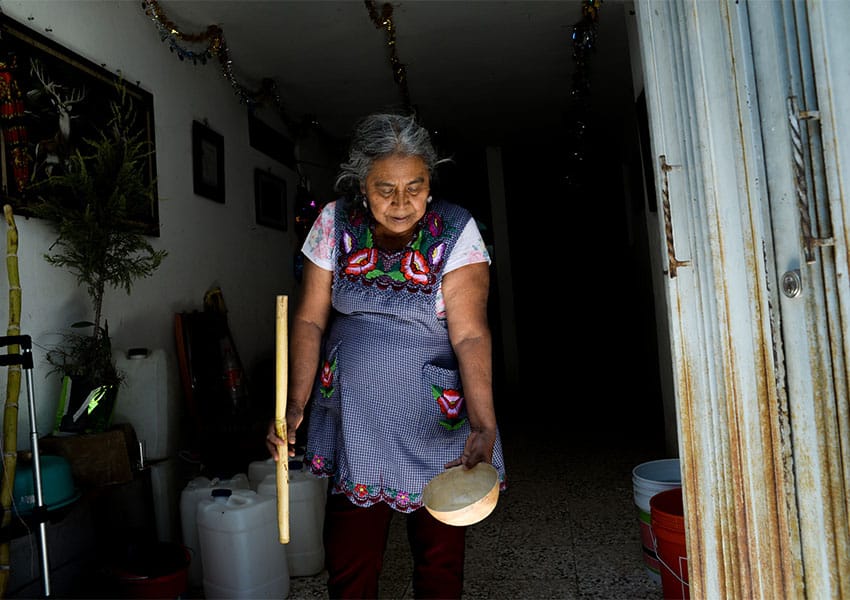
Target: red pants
[[355, 539]]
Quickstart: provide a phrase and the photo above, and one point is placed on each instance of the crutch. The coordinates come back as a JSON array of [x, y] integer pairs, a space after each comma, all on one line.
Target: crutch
[[24, 358]]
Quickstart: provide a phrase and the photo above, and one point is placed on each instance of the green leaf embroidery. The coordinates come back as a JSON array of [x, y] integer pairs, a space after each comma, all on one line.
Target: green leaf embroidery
[[418, 243], [452, 426]]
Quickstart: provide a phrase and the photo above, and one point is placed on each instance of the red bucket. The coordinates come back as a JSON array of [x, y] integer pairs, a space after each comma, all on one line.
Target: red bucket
[[668, 528], [154, 570]]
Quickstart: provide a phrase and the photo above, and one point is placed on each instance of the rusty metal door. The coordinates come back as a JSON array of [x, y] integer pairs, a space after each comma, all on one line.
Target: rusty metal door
[[802, 75], [746, 105]]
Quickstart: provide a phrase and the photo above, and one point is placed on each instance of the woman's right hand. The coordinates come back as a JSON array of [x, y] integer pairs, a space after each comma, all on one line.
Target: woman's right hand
[[273, 442], [294, 416], [305, 341]]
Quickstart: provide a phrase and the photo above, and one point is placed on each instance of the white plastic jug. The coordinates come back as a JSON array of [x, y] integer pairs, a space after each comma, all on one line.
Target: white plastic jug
[[259, 469], [240, 546], [196, 490], [305, 551]]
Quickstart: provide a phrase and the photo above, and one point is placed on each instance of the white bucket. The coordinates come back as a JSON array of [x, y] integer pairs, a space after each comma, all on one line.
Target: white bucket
[[241, 549], [651, 478], [305, 551], [196, 490]]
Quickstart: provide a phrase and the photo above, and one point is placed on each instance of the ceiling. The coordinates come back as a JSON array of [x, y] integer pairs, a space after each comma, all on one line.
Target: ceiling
[[483, 70]]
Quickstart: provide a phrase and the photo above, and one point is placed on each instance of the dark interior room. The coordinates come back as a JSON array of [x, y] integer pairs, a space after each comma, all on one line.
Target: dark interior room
[[538, 115]]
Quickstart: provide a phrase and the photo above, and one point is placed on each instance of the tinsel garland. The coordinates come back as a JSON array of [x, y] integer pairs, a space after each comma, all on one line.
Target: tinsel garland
[[384, 20], [216, 47], [583, 38], [213, 36]]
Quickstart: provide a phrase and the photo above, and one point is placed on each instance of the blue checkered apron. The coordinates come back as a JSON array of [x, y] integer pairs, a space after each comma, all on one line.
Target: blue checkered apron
[[377, 424]]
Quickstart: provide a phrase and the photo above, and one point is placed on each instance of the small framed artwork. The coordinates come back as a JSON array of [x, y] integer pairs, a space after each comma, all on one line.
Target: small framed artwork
[[207, 162], [270, 142], [270, 199]]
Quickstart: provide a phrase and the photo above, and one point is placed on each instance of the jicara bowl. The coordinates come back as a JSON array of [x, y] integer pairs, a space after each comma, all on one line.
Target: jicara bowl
[[460, 496]]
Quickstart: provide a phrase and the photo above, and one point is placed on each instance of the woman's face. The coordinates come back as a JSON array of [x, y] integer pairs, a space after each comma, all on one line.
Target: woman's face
[[397, 190]]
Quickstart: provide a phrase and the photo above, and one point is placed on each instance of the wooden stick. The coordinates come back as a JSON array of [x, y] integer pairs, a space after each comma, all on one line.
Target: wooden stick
[[281, 378]]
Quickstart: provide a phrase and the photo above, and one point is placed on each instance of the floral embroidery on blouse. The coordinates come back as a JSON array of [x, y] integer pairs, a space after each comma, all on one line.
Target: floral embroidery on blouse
[[411, 267], [451, 402], [320, 243], [362, 262]]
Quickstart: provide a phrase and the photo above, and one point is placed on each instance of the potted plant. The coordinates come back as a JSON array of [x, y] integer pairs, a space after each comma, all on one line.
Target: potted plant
[[90, 202]]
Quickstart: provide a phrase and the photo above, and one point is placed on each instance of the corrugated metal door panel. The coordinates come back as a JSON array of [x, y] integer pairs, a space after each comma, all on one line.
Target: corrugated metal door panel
[[806, 172], [760, 376], [831, 47]]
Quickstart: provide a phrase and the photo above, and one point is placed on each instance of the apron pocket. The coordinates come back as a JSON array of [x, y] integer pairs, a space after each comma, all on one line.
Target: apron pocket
[[447, 396]]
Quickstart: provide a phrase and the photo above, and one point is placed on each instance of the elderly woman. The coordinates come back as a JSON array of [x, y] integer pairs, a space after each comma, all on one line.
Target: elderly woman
[[391, 347]]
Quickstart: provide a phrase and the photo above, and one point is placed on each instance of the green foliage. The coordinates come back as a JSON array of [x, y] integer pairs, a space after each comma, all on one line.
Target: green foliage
[[91, 203], [86, 357]]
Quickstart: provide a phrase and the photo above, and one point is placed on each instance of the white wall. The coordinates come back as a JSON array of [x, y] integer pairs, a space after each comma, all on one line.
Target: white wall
[[209, 244]]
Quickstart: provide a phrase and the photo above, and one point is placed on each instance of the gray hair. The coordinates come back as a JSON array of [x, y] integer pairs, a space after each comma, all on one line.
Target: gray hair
[[381, 135]]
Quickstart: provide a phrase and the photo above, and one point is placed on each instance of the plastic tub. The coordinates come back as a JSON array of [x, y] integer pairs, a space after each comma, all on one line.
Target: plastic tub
[[649, 479], [668, 527]]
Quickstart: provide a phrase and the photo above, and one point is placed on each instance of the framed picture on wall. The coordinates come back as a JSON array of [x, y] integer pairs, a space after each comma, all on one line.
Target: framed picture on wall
[[270, 142], [207, 162], [54, 103], [270, 199]]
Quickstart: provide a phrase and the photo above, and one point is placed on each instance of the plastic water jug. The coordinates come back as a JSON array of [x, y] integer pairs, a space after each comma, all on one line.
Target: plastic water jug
[[305, 551], [240, 546], [259, 470], [196, 490]]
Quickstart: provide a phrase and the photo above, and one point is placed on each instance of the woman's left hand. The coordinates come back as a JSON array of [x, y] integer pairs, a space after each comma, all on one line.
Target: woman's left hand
[[478, 448]]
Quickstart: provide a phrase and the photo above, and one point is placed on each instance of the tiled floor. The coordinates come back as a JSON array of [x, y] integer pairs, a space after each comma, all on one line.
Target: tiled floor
[[566, 527]]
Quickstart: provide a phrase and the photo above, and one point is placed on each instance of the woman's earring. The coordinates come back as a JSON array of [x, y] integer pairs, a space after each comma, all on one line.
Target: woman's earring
[[428, 201], [364, 203]]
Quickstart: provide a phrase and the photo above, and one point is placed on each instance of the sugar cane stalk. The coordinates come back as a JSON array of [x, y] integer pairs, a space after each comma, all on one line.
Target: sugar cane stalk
[[13, 390], [281, 382]]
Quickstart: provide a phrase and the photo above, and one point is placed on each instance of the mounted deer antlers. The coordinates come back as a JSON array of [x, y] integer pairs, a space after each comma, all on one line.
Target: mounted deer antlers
[[51, 151]]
